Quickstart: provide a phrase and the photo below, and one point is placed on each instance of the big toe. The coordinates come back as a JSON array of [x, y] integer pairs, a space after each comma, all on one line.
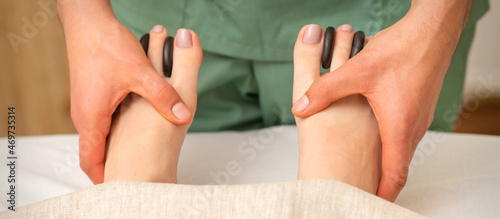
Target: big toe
[[307, 59], [187, 59]]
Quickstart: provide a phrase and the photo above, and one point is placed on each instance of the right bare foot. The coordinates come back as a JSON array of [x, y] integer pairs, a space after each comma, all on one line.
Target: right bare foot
[[142, 145], [341, 142]]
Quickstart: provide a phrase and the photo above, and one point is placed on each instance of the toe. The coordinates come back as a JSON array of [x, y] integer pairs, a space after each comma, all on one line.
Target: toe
[[342, 46], [307, 59], [367, 39], [187, 60], [155, 52]]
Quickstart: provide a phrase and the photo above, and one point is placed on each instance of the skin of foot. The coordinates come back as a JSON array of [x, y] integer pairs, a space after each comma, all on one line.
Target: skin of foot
[[142, 144], [342, 142]]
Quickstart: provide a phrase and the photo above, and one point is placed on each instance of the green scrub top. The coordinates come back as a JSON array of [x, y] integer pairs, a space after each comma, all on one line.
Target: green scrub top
[[245, 80]]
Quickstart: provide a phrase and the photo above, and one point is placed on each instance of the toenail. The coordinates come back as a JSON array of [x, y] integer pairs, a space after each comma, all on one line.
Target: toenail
[[312, 34], [158, 28], [181, 111], [346, 27], [301, 104], [183, 38]]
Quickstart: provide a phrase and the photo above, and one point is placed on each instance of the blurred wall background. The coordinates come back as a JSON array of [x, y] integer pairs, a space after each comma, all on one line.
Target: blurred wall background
[[33, 68], [34, 71], [481, 110]]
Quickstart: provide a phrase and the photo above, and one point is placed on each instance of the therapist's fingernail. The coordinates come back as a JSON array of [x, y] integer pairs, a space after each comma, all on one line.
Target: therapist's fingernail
[[301, 104], [312, 34], [346, 27], [183, 38], [181, 111], [158, 28]]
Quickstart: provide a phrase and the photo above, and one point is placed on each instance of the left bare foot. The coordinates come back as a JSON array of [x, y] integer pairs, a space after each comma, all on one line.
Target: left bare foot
[[142, 144]]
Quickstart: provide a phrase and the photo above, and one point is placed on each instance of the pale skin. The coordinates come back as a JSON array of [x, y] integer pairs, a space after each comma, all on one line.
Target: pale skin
[[341, 142], [396, 77], [400, 73]]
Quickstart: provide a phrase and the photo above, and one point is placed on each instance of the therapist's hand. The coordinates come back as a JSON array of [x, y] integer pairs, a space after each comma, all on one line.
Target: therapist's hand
[[106, 63], [400, 72]]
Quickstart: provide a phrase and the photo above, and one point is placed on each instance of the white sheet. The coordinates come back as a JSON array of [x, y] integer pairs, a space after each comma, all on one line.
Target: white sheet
[[452, 175]]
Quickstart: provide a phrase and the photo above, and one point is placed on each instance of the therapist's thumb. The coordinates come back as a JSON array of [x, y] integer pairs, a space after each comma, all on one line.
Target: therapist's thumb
[[329, 88], [164, 98]]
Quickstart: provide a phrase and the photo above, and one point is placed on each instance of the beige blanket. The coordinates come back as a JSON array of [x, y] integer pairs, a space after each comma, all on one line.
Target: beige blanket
[[292, 199]]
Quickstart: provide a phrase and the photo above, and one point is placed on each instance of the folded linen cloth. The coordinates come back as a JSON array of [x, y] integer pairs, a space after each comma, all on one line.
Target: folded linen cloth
[[291, 199]]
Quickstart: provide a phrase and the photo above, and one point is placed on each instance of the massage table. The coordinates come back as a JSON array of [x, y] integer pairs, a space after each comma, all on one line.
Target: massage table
[[253, 173]]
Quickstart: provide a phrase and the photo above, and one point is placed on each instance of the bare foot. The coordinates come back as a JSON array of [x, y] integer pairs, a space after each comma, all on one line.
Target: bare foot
[[142, 145], [341, 142]]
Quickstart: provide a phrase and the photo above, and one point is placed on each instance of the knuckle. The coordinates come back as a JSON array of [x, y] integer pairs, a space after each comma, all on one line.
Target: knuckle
[[87, 145], [321, 87], [160, 89], [84, 149], [400, 182], [84, 165], [399, 178], [165, 92]]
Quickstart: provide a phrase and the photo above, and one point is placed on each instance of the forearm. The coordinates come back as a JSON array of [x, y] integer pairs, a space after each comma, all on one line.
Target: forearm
[[84, 15], [445, 17], [89, 25]]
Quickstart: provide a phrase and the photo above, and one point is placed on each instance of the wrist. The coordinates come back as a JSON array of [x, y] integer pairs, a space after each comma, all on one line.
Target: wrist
[[82, 14], [442, 20], [448, 16], [87, 23]]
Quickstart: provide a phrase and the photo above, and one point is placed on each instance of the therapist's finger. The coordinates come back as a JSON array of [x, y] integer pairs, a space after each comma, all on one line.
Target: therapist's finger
[[346, 80], [306, 59], [397, 150], [91, 150], [93, 112], [153, 87], [395, 166]]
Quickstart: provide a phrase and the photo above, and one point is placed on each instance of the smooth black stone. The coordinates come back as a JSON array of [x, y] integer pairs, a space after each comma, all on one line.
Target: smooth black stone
[[168, 53], [145, 42], [358, 43], [326, 57]]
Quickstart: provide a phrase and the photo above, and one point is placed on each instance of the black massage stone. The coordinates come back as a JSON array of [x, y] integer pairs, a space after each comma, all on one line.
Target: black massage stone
[[326, 57], [358, 43], [145, 42], [168, 52]]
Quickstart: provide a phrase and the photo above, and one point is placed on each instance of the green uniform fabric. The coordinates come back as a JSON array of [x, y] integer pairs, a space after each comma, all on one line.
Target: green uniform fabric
[[245, 80]]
